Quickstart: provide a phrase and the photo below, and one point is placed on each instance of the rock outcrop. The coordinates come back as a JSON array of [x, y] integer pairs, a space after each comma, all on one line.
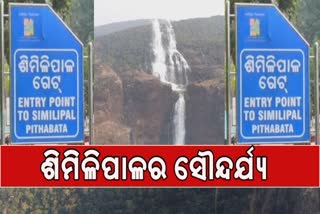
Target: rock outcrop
[[205, 102], [147, 104], [108, 108], [132, 109]]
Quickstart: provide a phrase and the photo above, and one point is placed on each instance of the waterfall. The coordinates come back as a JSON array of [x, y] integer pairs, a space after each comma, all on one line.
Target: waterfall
[[159, 68], [179, 120], [172, 68]]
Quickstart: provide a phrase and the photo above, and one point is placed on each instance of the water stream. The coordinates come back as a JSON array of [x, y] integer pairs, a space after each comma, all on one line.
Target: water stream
[[172, 68]]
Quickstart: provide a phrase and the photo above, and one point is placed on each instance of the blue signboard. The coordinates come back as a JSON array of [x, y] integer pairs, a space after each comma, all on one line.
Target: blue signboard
[[272, 77], [46, 77]]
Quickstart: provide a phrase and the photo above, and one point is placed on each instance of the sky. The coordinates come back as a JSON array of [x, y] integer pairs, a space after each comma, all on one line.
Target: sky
[[109, 11]]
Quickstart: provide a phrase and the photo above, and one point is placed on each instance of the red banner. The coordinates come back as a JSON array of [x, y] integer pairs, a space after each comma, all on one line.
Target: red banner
[[159, 166]]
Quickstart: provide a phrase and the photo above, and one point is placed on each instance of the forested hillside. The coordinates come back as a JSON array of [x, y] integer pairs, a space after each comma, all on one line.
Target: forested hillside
[[130, 49], [104, 30]]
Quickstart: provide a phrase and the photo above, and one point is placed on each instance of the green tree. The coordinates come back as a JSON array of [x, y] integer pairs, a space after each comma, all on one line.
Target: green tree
[[309, 16], [81, 22], [82, 19]]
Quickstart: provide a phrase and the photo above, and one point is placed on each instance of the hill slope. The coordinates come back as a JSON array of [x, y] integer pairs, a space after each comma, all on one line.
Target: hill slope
[[104, 30]]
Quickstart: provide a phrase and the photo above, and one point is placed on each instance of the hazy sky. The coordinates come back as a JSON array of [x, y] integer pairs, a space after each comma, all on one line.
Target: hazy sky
[[108, 11]]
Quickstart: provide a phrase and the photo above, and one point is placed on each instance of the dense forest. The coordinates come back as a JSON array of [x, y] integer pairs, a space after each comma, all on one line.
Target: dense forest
[[160, 201]]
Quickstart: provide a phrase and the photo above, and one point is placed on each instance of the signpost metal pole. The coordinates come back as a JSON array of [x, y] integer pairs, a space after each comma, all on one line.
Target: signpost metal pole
[[317, 92], [3, 122], [91, 119], [229, 104]]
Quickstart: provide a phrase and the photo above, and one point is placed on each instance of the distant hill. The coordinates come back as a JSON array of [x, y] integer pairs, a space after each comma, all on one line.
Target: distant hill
[[199, 39], [104, 30]]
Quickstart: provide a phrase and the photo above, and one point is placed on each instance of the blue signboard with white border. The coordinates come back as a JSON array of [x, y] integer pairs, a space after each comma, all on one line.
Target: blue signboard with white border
[[272, 77], [46, 77]]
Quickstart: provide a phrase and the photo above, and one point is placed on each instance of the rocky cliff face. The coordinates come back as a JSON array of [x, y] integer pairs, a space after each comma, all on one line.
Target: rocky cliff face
[[205, 102], [131, 109], [147, 104], [137, 109], [108, 108]]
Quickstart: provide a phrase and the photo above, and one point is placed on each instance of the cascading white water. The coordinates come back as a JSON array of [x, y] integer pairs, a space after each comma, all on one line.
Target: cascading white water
[[171, 68], [178, 65], [179, 120], [159, 67]]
